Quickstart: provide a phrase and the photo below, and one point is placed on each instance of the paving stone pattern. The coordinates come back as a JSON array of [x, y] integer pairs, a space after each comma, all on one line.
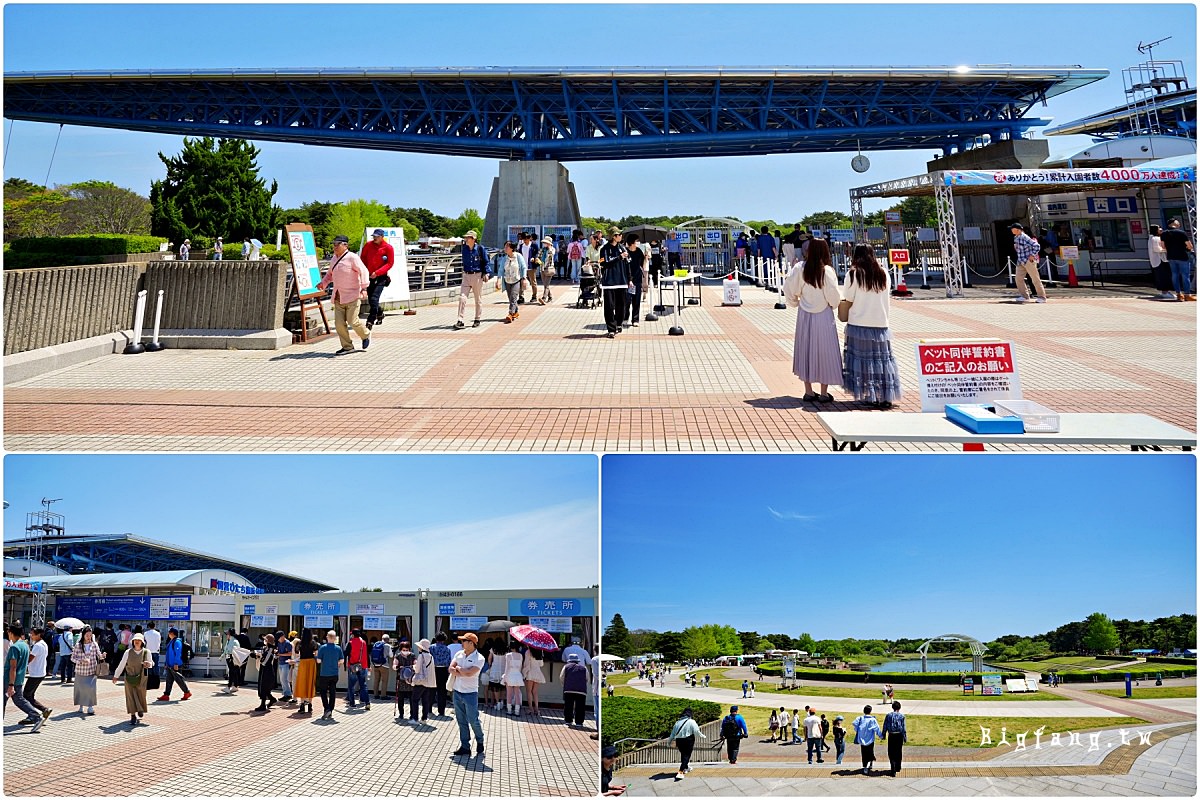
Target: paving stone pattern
[[552, 382], [212, 745]]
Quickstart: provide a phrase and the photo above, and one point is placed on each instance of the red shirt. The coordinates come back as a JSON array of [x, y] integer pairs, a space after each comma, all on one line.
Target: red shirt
[[372, 256], [358, 648]]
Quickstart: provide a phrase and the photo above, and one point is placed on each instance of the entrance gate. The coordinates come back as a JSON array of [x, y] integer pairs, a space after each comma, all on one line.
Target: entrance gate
[[707, 245]]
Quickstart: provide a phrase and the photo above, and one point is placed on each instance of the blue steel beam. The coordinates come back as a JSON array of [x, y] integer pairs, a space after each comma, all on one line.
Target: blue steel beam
[[568, 115]]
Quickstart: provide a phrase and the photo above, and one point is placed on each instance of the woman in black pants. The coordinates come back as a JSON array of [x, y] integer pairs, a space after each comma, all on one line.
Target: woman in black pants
[[684, 734]]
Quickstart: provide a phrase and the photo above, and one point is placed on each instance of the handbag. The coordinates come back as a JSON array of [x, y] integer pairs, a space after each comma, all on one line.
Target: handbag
[[844, 316], [133, 680]]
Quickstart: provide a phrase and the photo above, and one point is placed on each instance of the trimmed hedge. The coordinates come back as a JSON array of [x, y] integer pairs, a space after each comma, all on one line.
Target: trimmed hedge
[[1170, 660], [850, 676], [108, 244], [643, 718], [1119, 674]]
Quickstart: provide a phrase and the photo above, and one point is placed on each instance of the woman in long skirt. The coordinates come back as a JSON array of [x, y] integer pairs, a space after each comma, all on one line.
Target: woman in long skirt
[[870, 372], [513, 679], [531, 669], [306, 671], [267, 679], [86, 655], [135, 665], [812, 286]]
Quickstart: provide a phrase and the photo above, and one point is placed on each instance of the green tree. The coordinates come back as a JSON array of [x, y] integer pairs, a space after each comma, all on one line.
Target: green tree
[[104, 207], [316, 215], [750, 640], [670, 644], [33, 212], [616, 638], [826, 219], [918, 211], [1100, 634], [411, 233], [763, 646], [806, 643], [353, 217], [468, 220], [643, 641], [425, 220], [698, 642], [727, 639], [213, 188]]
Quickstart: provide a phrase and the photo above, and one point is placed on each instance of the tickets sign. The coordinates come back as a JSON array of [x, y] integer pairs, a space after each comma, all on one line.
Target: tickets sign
[[971, 371]]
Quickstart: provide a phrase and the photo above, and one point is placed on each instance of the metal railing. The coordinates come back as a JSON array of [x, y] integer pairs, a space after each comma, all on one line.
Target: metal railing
[[662, 751]]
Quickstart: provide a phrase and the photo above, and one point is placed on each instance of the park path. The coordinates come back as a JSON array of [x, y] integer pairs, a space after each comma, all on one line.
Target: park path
[[1151, 710], [1076, 704]]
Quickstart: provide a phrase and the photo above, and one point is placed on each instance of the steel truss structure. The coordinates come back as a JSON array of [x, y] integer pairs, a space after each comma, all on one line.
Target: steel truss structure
[[567, 115], [977, 649], [127, 553]]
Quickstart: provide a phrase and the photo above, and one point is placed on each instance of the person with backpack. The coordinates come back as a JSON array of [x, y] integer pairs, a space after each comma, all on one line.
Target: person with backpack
[[575, 252], [381, 659], [733, 730], [424, 682]]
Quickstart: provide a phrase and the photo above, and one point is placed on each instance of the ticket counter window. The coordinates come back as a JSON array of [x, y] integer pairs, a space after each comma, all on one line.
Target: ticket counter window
[[403, 629], [210, 639], [1109, 235]]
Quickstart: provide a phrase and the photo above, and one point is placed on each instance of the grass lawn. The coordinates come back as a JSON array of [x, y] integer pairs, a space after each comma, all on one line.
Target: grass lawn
[[1061, 664], [619, 678], [935, 731], [1153, 692], [870, 692]]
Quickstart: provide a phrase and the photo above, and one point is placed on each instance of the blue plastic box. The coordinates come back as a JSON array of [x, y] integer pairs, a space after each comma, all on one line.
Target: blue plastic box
[[979, 418]]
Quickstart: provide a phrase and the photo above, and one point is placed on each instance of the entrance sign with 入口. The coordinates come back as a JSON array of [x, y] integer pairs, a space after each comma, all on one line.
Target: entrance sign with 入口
[[966, 371], [898, 256]]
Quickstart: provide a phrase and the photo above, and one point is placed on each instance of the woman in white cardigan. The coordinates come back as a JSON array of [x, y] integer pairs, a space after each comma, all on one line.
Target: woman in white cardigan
[[813, 287]]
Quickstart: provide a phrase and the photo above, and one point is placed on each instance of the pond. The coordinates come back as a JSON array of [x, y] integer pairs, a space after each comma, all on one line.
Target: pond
[[934, 665]]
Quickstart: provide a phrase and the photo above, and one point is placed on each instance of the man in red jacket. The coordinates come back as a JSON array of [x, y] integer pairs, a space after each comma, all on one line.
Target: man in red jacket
[[379, 256], [358, 667]]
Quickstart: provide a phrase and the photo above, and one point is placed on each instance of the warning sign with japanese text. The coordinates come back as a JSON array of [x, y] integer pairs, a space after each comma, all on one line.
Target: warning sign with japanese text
[[966, 371]]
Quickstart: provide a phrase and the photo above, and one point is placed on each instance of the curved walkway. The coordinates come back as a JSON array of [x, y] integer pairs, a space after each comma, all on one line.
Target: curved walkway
[[1077, 704]]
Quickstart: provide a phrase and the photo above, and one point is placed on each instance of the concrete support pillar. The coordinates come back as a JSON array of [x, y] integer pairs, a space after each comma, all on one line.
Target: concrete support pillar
[[529, 193]]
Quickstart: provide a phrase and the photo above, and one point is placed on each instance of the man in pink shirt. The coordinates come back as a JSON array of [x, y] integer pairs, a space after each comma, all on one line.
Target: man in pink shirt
[[349, 277]]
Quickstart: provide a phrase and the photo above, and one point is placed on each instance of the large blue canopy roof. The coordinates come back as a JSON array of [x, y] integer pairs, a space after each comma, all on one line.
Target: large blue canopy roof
[[565, 115]]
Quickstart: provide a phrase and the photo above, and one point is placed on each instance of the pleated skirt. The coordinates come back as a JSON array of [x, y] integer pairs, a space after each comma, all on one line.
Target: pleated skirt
[[817, 357]]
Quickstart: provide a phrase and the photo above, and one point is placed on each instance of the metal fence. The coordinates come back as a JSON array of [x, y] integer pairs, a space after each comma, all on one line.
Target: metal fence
[[662, 751]]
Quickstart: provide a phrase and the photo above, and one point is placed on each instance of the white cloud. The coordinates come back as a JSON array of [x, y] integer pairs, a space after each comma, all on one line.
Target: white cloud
[[791, 515], [553, 547]]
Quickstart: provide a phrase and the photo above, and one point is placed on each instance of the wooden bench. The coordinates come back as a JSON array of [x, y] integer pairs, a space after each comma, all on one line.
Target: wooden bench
[[854, 429]]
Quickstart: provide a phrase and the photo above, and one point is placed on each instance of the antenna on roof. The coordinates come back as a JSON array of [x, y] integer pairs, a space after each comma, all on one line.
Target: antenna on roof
[[1148, 49]]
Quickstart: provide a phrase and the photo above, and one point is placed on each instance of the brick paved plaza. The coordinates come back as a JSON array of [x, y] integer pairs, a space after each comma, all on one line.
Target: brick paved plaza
[[212, 745], [552, 382]]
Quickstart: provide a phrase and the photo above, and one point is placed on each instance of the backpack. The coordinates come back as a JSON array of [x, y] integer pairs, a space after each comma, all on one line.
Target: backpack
[[729, 728], [377, 654]]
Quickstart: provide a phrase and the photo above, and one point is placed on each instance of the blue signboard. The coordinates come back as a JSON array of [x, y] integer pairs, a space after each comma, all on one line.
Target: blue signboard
[[322, 607], [551, 607], [445, 609], [248, 608], [133, 608], [1112, 205]]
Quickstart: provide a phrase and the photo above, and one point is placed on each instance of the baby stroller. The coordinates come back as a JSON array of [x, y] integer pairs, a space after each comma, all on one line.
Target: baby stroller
[[589, 293]]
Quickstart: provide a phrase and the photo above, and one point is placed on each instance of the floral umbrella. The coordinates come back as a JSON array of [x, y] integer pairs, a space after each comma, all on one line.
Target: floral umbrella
[[533, 637]]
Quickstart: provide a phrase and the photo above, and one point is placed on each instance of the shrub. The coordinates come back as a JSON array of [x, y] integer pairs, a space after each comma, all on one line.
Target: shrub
[[643, 718], [1170, 660], [849, 676], [1142, 674], [108, 244]]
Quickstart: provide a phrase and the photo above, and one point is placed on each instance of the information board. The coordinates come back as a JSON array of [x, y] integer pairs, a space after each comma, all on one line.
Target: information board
[[363, 609], [966, 371], [992, 684], [137, 607], [891, 216], [555, 231], [789, 668], [445, 609], [379, 623], [968, 685], [397, 290], [302, 248], [467, 623], [467, 609], [264, 621], [314, 621], [552, 624], [515, 231]]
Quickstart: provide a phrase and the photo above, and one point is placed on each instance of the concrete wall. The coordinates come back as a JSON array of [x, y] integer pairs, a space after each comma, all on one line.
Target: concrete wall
[[53, 306], [529, 192]]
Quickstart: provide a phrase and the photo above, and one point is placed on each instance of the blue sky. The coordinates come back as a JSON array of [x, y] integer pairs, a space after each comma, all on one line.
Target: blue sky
[[784, 187], [397, 522], [891, 546]]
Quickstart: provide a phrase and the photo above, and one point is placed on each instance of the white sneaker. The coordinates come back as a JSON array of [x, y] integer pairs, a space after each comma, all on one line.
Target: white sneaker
[[1040, 300], [1021, 299]]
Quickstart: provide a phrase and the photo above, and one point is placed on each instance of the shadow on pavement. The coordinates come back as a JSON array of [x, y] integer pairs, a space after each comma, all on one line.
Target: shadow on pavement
[[786, 401], [300, 356]]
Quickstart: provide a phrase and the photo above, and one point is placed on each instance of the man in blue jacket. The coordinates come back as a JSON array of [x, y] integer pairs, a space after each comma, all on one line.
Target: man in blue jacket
[[475, 273]]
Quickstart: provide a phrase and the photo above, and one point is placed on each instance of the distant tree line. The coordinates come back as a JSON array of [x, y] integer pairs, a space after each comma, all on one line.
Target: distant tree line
[[1096, 634]]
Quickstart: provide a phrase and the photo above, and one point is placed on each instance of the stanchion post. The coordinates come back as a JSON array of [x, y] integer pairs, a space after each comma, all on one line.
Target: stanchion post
[[1049, 275], [1012, 274], [924, 272], [155, 345], [650, 315], [139, 314], [782, 304]]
